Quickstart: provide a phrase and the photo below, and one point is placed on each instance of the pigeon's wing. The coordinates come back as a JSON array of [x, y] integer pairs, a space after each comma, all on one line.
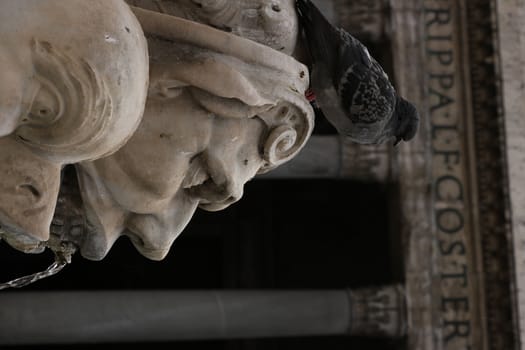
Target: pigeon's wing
[[363, 97], [352, 51], [366, 92]]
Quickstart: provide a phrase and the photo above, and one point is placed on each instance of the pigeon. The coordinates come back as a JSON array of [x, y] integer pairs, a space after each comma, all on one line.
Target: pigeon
[[352, 90]]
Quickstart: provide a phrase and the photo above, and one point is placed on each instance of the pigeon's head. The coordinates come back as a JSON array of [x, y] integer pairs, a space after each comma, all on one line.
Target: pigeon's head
[[407, 120]]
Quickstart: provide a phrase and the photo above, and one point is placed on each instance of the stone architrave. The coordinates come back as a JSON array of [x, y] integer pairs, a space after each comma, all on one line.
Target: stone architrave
[[444, 299], [74, 85], [459, 294], [221, 109]]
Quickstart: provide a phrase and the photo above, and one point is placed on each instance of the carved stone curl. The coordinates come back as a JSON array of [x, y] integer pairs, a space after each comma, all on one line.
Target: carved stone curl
[[74, 85], [221, 109]]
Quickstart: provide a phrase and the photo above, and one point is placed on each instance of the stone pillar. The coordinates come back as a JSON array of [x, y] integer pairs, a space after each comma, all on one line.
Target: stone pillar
[[332, 156], [133, 316]]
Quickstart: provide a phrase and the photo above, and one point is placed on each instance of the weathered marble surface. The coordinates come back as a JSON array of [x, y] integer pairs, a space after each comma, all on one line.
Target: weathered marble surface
[[74, 84]]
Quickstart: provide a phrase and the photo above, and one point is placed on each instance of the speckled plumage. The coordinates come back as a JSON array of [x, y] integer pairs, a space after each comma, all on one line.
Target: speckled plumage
[[352, 89]]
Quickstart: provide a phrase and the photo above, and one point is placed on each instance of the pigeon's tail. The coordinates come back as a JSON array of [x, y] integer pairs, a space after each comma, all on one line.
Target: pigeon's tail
[[407, 120], [321, 36]]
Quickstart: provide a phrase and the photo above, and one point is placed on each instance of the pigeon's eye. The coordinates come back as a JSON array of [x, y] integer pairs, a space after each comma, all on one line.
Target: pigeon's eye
[[276, 8]]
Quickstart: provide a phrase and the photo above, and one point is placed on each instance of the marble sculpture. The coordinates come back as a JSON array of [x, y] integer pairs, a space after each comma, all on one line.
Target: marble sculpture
[[225, 101]]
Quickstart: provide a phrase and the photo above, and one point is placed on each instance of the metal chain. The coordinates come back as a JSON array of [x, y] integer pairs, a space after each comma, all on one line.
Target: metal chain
[[63, 253], [55, 268], [68, 219]]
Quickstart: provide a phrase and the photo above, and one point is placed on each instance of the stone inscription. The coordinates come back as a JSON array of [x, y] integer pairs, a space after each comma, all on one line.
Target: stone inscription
[[454, 300]]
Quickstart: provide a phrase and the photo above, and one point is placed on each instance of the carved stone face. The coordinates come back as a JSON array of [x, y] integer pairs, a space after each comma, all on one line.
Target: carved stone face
[[181, 157], [218, 112], [73, 88]]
